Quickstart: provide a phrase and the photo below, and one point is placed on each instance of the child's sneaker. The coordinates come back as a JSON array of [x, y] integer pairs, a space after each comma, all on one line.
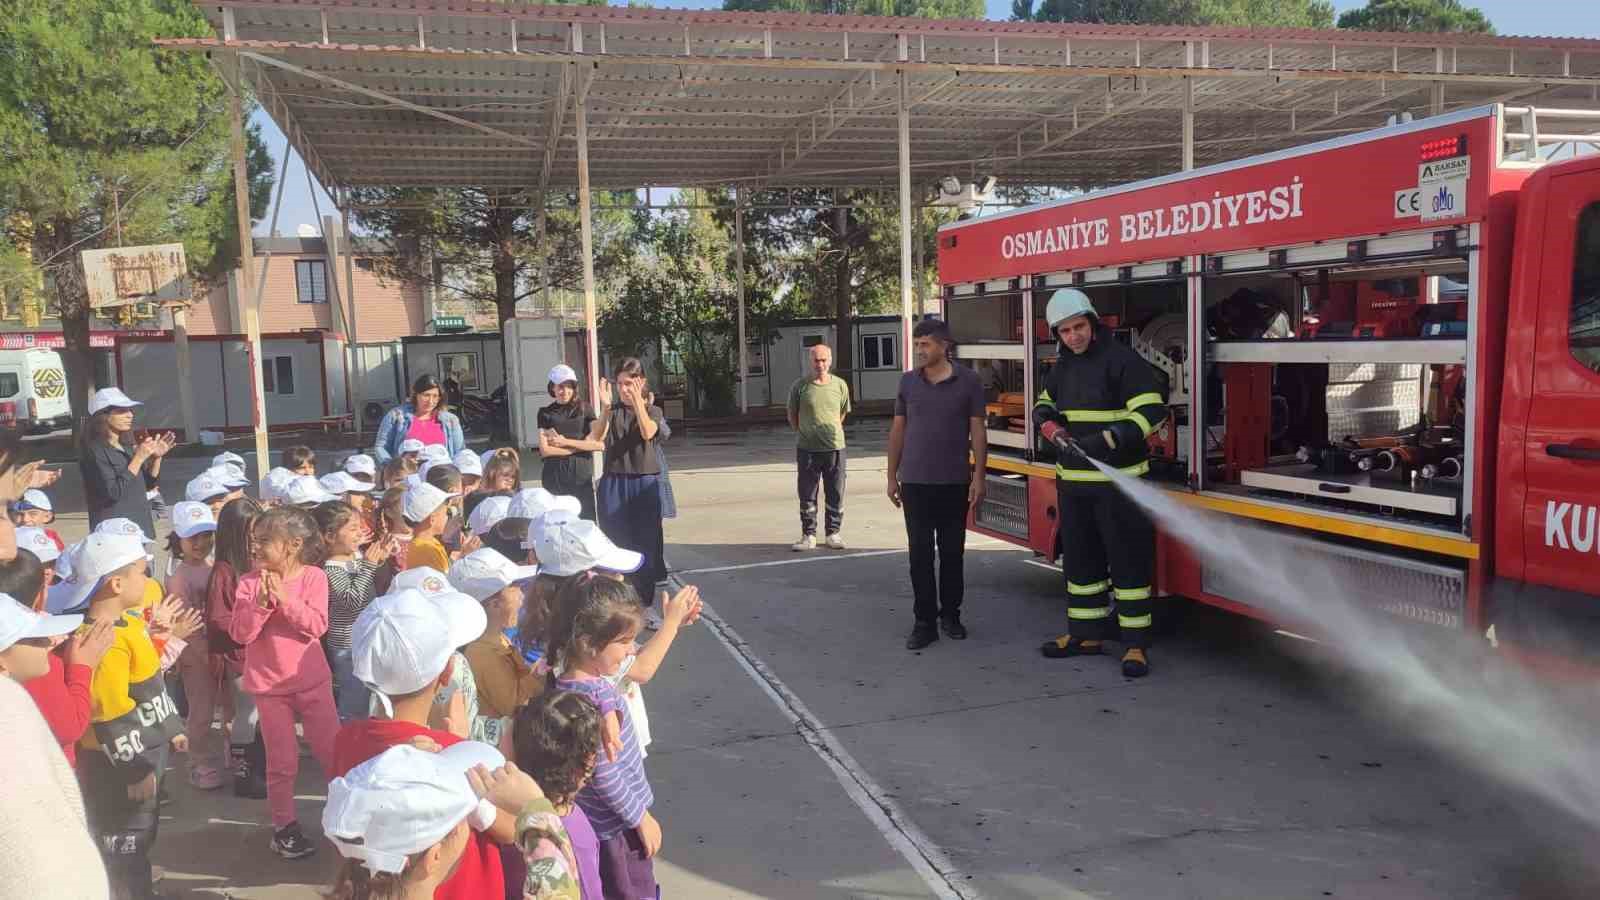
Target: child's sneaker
[[835, 542], [806, 542], [204, 777], [289, 843]]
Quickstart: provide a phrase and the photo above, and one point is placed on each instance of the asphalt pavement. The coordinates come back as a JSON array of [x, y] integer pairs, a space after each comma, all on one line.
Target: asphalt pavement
[[801, 752]]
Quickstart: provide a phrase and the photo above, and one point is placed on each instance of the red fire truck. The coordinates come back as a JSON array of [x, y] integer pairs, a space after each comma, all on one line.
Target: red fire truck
[[1387, 342]]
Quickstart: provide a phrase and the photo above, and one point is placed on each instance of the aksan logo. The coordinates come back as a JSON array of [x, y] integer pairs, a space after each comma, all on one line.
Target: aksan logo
[[433, 584]]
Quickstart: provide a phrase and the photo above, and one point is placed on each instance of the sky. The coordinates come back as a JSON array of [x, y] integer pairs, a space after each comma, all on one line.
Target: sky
[[1567, 18]]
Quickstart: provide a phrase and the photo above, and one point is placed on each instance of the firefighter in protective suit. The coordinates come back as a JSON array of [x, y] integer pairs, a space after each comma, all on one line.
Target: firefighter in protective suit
[[1101, 401]]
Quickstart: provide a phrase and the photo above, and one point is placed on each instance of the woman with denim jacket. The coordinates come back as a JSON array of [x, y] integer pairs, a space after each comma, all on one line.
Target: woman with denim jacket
[[425, 418]]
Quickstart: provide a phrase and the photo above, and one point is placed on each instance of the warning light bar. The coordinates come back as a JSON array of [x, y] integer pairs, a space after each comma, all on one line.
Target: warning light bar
[[1443, 148]]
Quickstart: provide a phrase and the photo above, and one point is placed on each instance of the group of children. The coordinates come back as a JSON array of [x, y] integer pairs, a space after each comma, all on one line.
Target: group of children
[[461, 656]]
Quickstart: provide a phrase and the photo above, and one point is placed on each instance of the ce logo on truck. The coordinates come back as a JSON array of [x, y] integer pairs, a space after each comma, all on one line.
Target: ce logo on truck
[[1408, 203]]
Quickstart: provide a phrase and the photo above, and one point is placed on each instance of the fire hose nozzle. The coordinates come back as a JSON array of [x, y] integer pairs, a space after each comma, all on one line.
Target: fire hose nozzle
[[1057, 435]]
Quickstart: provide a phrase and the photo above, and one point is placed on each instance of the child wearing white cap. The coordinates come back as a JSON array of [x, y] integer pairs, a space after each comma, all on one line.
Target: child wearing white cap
[[117, 480], [354, 558], [504, 680], [362, 467], [568, 440], [190, 542], [279, 616], [403, 648], [34, 510], [305, 492], [133, 719], [427, 510], [404, 821], [62, 694], [208, 489], [471, 469]]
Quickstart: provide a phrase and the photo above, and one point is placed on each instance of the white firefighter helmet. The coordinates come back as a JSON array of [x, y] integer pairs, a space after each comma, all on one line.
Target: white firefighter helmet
[[1065, 304]]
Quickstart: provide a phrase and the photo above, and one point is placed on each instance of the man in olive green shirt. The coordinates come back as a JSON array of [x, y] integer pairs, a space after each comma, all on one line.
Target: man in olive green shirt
[[818, 405]]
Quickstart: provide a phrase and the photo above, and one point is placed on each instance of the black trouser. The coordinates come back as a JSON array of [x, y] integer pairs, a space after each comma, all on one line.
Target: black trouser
[[827, 467], [581, 488], [936, 514], [123, 829], [1108, 549]]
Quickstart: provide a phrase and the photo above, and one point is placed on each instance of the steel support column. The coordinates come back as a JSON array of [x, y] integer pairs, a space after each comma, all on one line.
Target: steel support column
[[905, 217], [738, 276], [247, 265]]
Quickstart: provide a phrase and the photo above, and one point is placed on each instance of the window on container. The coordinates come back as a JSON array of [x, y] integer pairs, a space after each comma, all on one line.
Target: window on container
[[311, 280], [756, 358], [277, 375], [1583, 324], [878, 352]]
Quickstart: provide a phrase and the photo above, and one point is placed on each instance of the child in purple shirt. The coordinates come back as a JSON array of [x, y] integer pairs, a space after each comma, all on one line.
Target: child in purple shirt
[[592, 634], [556, 739]]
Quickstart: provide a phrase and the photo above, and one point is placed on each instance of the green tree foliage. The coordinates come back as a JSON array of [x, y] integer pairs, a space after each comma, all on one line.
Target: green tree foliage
[[101, 136], [1416, 15], [1257, 13], [925, 9], [681, 295], [482, 245]]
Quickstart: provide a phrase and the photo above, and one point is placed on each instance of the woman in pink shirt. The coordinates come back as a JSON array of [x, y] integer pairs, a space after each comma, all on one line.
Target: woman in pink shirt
[[280, 614], [425, 418]]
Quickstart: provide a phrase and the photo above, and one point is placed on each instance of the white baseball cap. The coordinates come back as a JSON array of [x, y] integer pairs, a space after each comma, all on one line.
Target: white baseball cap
[[361, 464], [404, 639], [190, 518], [485, 572], [306, 489], [18, 621], [421, 500], [436, 452], [410, 445], [567, 545], [125, 528], [531, 503], [230, 475], [403, 801], [109, 398], [37, 542], [488, 511], [33, 498], [227, 457], [469, 463], [345, 483], [275, 482], [204, 487], [90, 560], [561, 373]]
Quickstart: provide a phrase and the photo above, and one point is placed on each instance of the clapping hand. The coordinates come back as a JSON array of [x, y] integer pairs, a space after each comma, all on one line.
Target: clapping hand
[[682, 608], [174, 618]]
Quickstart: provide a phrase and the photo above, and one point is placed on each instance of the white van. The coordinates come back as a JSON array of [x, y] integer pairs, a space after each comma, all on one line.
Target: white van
[[33, 390]]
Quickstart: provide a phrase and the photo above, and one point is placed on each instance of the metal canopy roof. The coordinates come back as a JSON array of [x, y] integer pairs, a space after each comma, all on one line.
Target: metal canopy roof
[[412, 92]]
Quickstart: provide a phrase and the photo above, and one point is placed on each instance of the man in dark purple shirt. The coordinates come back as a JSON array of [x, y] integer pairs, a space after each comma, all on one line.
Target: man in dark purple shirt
[[938, 418]]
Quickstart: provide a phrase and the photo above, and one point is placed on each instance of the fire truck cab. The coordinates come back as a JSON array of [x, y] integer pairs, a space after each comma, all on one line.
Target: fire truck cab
[[1387, 342]]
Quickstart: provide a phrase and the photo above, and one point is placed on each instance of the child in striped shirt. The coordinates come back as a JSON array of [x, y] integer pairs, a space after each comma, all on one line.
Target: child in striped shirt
[[352, 584], [593, 633]]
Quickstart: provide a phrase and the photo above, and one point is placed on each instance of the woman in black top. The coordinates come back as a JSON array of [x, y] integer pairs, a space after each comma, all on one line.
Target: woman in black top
[[629, 494], [565, 441], [116, 481]]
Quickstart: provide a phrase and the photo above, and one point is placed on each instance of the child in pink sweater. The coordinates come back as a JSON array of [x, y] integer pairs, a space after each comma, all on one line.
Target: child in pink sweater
[[280, 614]]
